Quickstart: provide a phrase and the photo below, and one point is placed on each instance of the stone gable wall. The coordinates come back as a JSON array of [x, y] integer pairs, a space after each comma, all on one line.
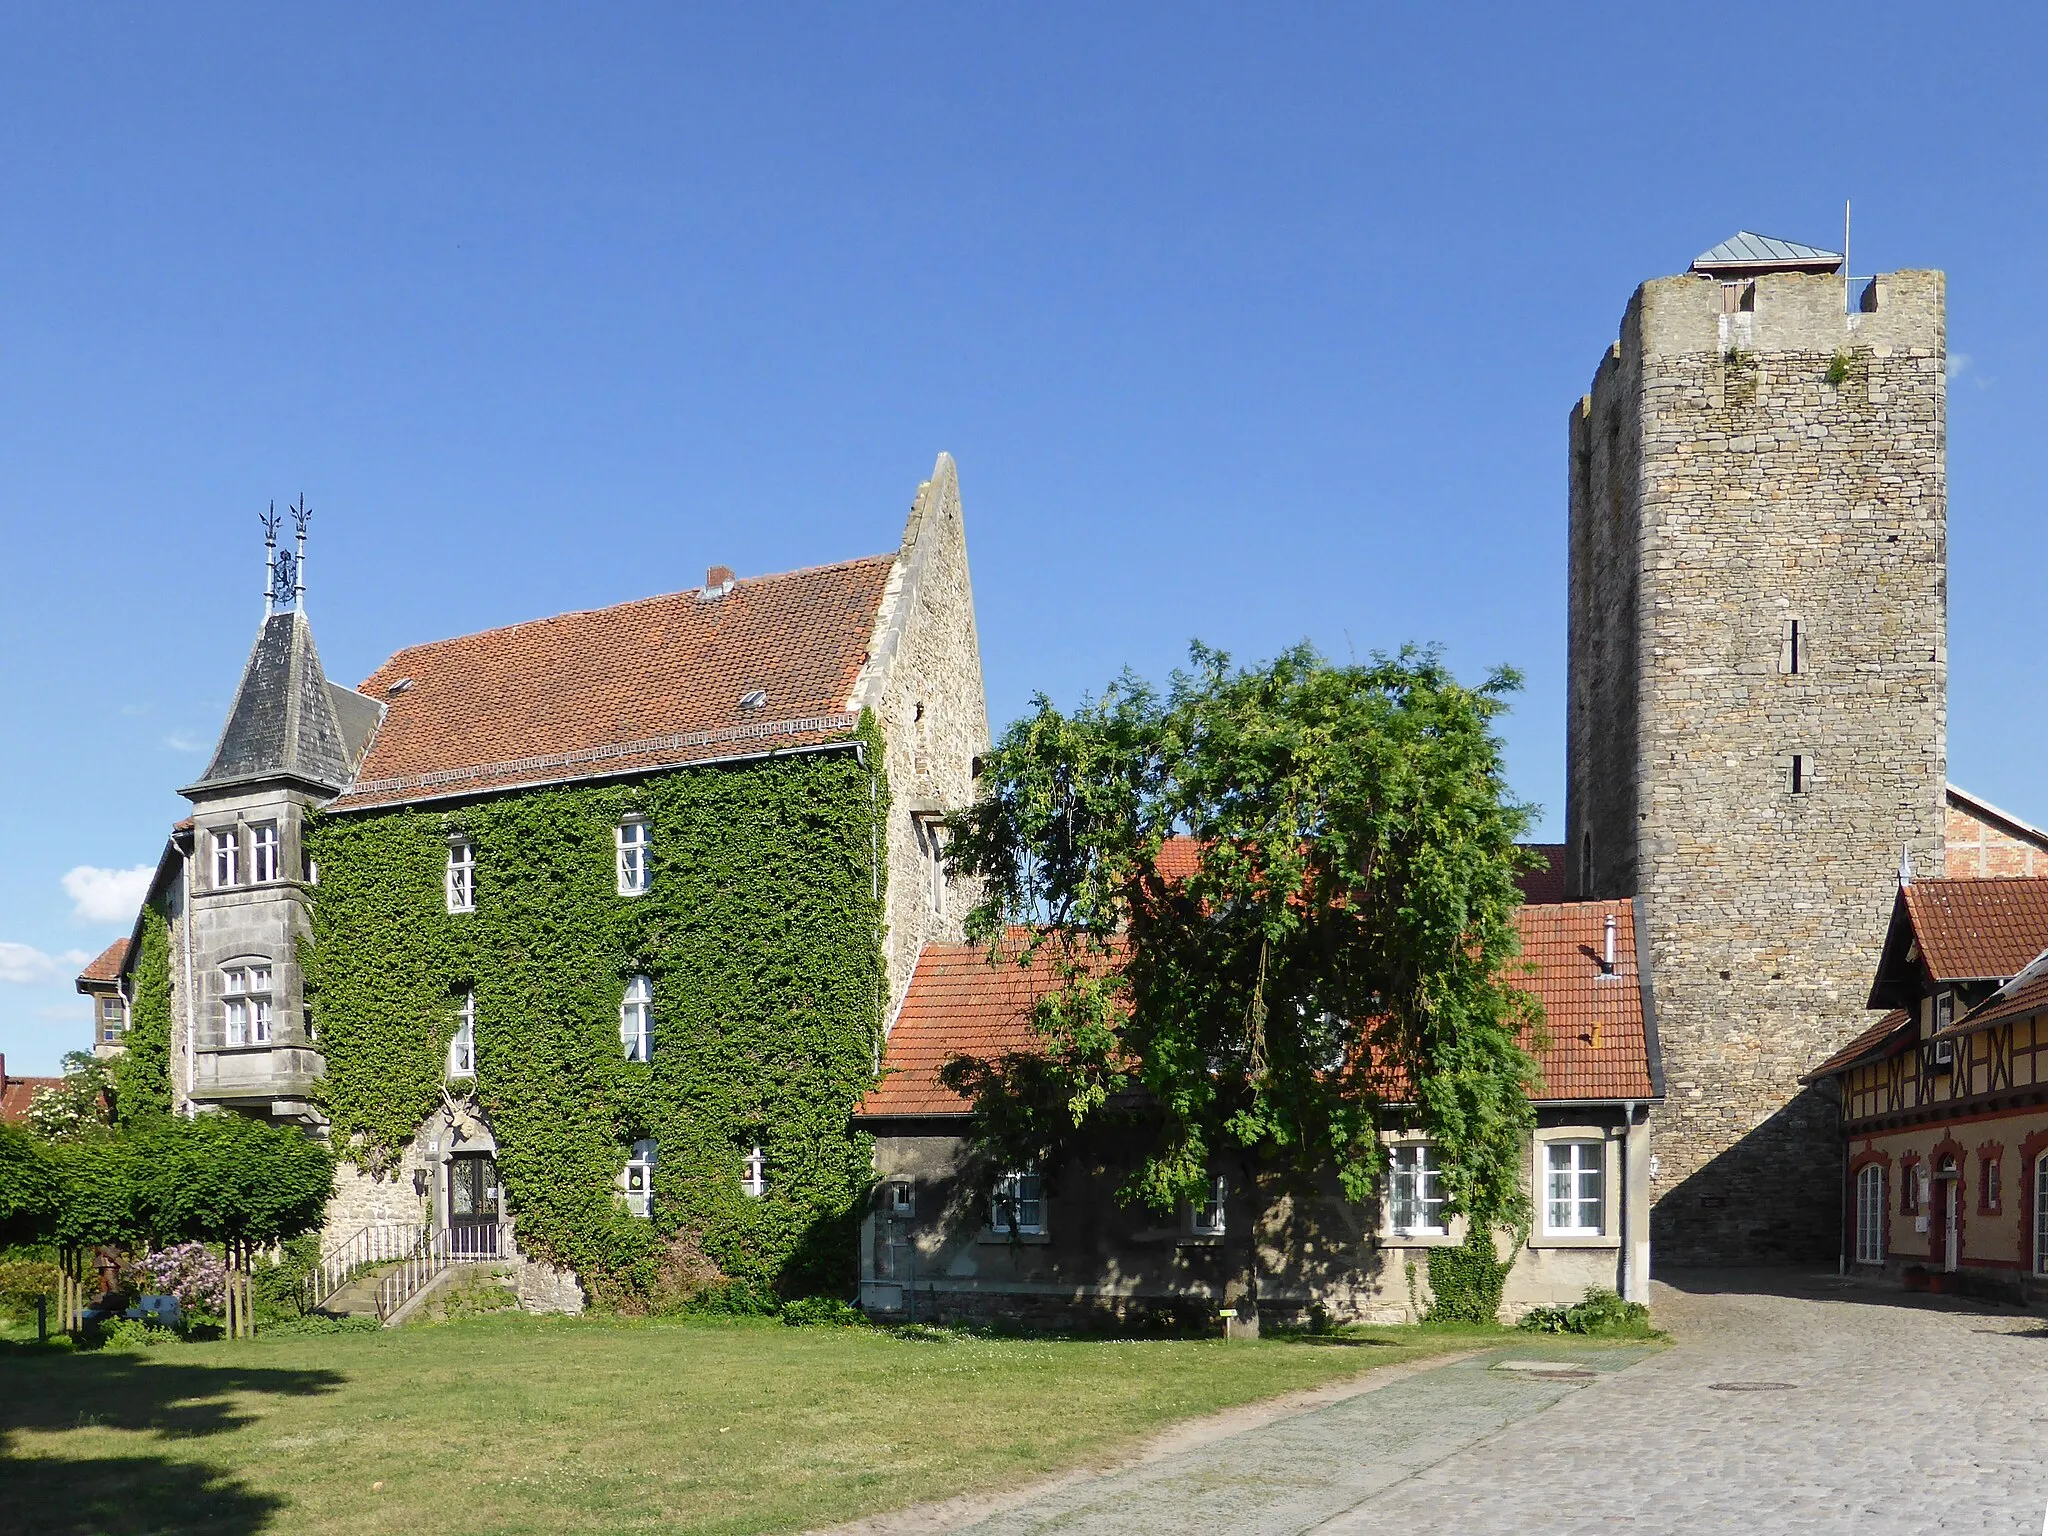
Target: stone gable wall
[[1732, 485]]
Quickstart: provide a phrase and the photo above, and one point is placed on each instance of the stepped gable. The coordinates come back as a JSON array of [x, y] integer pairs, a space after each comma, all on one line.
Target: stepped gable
[[283, 724], [1600, 1029], [735, 667]]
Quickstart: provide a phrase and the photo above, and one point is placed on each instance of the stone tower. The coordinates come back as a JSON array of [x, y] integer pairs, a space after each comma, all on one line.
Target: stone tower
[[245, 1038], [1758, 697]]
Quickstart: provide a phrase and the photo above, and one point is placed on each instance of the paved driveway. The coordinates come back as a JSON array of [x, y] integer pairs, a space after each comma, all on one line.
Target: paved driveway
[[1790, 1404]]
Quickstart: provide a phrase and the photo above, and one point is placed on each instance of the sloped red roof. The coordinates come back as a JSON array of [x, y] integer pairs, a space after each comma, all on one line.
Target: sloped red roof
[[641, 685], [2029, 997], [108, 966], [1980, 928], [959, 1005], [1869, 1044], [17, 1092]]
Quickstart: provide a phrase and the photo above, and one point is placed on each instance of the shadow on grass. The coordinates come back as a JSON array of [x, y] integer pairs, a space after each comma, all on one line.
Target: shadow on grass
[[52, 1391]]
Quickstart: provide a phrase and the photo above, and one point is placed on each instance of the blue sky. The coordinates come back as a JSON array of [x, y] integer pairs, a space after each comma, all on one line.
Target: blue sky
[[1243, 323]]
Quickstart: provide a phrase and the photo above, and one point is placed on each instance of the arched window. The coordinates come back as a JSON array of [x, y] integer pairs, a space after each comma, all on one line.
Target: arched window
[[636, 1020], [1870, 1214]]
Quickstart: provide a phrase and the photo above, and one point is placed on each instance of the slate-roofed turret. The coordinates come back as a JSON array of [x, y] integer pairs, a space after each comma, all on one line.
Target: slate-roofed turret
[[286, 722]]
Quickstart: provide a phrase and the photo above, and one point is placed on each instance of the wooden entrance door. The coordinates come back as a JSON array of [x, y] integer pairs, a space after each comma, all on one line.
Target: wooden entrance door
[[472, 1206], [1941, 1241]]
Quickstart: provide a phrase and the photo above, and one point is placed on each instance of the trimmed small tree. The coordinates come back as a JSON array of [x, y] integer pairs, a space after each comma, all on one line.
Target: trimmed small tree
[[226, 1179], [96, 1206], [1329, 950], [30, 1187]]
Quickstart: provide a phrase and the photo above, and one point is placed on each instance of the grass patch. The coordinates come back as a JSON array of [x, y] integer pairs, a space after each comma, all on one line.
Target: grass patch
[[552, 1425]]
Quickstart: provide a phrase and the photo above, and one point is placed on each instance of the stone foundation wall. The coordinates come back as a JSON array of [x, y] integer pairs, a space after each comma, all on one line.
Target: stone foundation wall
[[1750, 458]]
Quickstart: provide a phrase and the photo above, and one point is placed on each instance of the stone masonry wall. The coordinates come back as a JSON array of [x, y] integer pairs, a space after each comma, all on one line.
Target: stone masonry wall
[[1788, 463], [924, 684]]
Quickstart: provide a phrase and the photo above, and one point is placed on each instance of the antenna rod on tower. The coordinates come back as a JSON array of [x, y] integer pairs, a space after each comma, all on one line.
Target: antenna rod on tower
[[269, 521], [301, 515]]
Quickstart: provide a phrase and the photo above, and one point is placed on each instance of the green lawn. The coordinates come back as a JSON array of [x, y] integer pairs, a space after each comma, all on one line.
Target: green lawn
[[550, 1425]]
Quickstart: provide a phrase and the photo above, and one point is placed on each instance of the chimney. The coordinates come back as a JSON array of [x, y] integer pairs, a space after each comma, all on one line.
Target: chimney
[[718, 581], [1607, 952]]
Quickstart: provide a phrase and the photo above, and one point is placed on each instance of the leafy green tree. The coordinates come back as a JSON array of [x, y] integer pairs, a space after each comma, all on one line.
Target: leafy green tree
[[29, 1187], [1279, 906], [226, 1179], [80, 1104]]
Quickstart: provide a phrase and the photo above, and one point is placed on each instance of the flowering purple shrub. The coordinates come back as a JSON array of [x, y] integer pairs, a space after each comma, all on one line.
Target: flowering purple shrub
[[188, 1271]]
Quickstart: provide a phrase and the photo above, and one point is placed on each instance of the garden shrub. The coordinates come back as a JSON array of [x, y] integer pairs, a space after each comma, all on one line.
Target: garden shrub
[[821, 1312], [1601, 1311], [192, 1272], [319, 1323], [22, 1283]]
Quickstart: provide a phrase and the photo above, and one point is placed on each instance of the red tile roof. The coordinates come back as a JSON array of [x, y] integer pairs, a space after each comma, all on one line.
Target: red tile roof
[[642, 685], [16, 1092], [959, 1005], [2030, 996], [1871, 1043], [1545, 886], [107, 967], [1977, 929]]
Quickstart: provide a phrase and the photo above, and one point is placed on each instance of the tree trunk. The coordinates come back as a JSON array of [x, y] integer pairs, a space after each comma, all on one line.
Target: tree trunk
[[1241, 1248]]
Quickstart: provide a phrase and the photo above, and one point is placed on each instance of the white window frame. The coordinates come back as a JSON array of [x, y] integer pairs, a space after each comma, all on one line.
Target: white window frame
[[461, 877], [1017, 1194], [245, 1004], [266, 853], [902, 1198], [2041, 1214], [635, 867], [636, 1019], [754, 1173], [1586, 1158], [1870, 1211], [227, 859], [113, 1018], [1210, 1218], [1415, 1191], [462, 1048], [638, 1180]]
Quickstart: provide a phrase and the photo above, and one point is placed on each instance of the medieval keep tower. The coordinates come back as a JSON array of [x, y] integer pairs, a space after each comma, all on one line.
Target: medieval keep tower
[[1758, 697]]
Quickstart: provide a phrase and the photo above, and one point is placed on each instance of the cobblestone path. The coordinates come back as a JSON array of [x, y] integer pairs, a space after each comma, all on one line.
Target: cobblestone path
[[1790, 1404]]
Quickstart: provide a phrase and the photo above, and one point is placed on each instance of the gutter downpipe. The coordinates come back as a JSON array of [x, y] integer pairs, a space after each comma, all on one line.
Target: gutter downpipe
[[1628, 1131], [191, 1011]]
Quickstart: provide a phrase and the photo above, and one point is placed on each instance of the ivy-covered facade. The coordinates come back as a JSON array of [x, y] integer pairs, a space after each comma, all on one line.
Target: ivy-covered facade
[[579, 938]]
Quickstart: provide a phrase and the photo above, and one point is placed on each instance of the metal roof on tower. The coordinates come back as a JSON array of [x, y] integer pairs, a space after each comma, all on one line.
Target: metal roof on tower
[[1746, 253]]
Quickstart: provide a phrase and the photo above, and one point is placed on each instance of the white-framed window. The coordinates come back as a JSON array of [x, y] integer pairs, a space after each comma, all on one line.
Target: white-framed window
[[113, 1019], [227, 858], [2041, 1214], [636, 862], [902, 1198], [265, 863], [1574, 1188], [1870, 1214], [461, 877], [1415, 1191], [245, 1005], [754, 1173], [1017, 1203], [1206, 1218], [639, 1180], [636, 1020], [462, 1049]]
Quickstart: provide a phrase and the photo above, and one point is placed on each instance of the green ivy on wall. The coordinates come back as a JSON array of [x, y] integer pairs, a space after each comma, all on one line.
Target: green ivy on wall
[[142, 1072], [762, 937]]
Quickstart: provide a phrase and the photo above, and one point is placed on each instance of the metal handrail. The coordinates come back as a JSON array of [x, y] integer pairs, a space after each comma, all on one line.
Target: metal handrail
[[445, 1247], [377, 1243]]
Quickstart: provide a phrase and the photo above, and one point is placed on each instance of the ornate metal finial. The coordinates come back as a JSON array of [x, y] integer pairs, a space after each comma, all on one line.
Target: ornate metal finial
[[284, 569]]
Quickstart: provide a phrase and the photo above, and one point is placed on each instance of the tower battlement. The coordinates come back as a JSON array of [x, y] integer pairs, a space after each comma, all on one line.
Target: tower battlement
[[1757, 715]]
